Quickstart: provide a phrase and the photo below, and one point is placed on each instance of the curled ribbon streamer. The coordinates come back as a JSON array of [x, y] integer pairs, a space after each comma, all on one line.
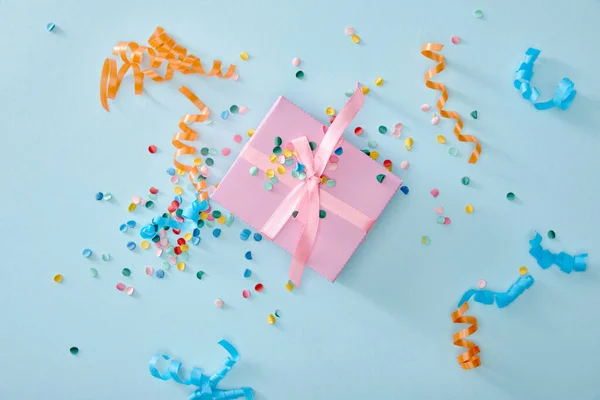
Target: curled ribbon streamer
[[163, 49], [429, 50], [207, 385], [469, 359], [563, 96], [566, 262], [503, 299]]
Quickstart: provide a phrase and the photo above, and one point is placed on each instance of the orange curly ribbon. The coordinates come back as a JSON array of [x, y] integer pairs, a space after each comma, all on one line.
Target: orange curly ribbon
[[429, 50], [163, 48], [469, 359], [188, 134]]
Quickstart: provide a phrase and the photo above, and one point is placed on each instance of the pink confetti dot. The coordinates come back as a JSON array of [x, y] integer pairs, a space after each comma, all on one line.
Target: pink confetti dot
[[172, 260], [245, 293], [434, 192], [397, 133], [455, 39], [281, 159], [129, 291], [212, 188], [164, 242], [237, 138], [243, 110], [435, 120], [235, 77], [174, 179], [120, 287], [439, 210], [333, 158], [349, 31], [398, 126], [136, 199], [162, 233], [289, 146], [296, 62], [204, 170], [425, 107], [481, 283], [158, 252], [142, 202], [447, 221], [226, 151], [149, 270], [325, 129], [333, 166], [404, 165], [219, 303]]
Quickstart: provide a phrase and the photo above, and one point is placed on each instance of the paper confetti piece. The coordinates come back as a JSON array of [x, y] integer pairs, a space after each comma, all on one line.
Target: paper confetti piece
[[430, 50], [469, 359], [566, 262]]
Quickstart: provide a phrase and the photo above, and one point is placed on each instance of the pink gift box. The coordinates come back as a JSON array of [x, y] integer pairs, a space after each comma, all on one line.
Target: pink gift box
[[357, 189]]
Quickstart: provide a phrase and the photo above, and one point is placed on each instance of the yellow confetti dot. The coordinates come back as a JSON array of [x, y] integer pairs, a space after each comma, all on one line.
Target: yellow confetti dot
[[287, 153], [184, 247], [469, 209], [273, 158], [203, 215], [271, 319], [374, 155], [197, 161], [58, 278], [365, 89], [244, 55], [180, 172], [408, 143], [289, 286], [281, 170], [221, 220], [251, 132], [178, 189], [270, 173], [379, 81], [145, 244], [181, 265], [330, 111], [131, 207], [324, 179], [441, 139], [355, 38], [187, 236], [523, 270]]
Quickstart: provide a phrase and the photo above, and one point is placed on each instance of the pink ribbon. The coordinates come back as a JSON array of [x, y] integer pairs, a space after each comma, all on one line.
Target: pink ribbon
[[308, 192]]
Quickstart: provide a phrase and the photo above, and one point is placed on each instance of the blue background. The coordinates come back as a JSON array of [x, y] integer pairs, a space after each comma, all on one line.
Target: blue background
[[383, 330]]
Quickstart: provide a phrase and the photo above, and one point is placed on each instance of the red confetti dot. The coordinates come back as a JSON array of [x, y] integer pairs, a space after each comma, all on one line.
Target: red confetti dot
[[176, 231], [152, 149], [226, 151], [387, 163], [175, 204], [180, 241], [178, 250], [259, 287], [358, 131], [153, 190], [237, 138], [332, 119]]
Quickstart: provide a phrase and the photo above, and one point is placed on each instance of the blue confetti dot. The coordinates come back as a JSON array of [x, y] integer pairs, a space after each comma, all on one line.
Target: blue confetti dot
[[123, 228], [160, 273], [178, 199], [148, 231], [248, 255], [50, 27], [131, 245], [196, 232], [225, 114], [247, 273], [257, 237], [299, 167], [99, 196], [339, 151], [87, 253], [245, 234], [404, 189], [171, 171], [131, 224], [196, 240], [216, 232]]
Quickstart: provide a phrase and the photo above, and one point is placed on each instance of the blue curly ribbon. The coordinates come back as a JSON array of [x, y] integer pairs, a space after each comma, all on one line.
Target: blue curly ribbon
[[503, 299], [206, 385], [563, 96], [566, 262], [192, 212]]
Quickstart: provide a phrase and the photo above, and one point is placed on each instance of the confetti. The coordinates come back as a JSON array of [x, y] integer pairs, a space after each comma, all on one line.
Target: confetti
[[74, 351], [435, 120], [478, 13], [455, 39], [404, 164], [289, 286], [126, 272], [358, 131], [425, 107], [257, 237], [259, 287], [244, 56], [245, 234], [379, 81], [382, 129], [434, 192], [465, 180], [439, 210], [253, 171], [120, 287], [404, 189], [299, 74], [199, 274], [453, 151], [387, 164], [469, 359], [160, 273], [296, 61], [93, 272], [243, 110], [380, 178], [349, 31], [469, 209], [329, 111], [152, 149], [87, 253], [99, 196], [481, 283], [277, 313], [50, 27], [131, 246], [510, 196], [474, 114], [58, 278], [425, 240], [551, 234], [248, 255], [149, 270], [129, 290], [355, 38], [245, 293], [219, 303], [271, 319], [408, 143], [105, 257], [216, 232], [247, 273], [365, 90], [441, 139]]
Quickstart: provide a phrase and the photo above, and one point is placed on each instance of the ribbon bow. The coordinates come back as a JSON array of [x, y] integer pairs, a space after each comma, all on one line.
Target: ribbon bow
[[306, 195], [207, 385]]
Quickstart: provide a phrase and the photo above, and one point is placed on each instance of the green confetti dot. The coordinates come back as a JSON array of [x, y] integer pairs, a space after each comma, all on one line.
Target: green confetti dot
[[510, 196], [277, 150], [299, 74], [372, 144], [302, 176], [440, 219], [474, 114], [253, 171], [105, 257], [183, 256], [453, 151], [152, 196], [382, 129], [74, 350], [204, 151], [295, 174], [312, 145], [93, 272], [289, 161], [465, 180], [165, 265], [278, 141], [366, 151], [179, 212], [234, 109], [212, 152], [551, 234], [330, 183], [126, 272], [209, 161], [277, 313], [170, 250], [478, 13], [322, 214], [107, 196], [216, 213], [380, 178], [199, 274], [268, 186], [273, 180], [294, 214]]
